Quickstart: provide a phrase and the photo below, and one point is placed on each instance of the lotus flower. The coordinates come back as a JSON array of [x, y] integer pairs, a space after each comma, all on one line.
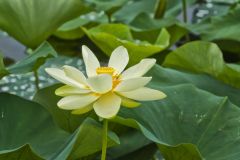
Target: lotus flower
[[105, 88]]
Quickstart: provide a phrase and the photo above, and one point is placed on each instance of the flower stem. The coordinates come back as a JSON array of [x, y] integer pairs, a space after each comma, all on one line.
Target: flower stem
[[185, 18], [36, 79], [104, 139], [160, 9], [184, 8]]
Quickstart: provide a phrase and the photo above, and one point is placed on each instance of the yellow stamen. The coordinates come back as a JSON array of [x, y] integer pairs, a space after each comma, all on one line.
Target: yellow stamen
[[109, 70], [115, 82], [105, 70]]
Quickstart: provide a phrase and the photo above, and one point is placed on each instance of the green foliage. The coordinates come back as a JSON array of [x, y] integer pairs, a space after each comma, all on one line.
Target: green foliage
[[204, 120], [225, 27], [118, 34], [20, 135], [203, 57], [31, 62], [31, 22], [63, 118], [199, 119], [72, 30]]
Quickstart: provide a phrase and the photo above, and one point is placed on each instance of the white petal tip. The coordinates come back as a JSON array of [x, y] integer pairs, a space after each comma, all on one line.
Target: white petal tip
[[84, 47], [151, 60], [52, 71], [58, 92], [121, 47], [66, 66], [48, 70], [161, 95]]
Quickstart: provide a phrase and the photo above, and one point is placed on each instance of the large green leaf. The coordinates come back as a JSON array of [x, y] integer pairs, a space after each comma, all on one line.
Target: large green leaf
[[220, 27], [24, 85], [86, 141], [31, 21], [145, 22], [119, 34], [174, 7], [223, 29], [202, 126], [105, 5], [132, 10], [145, 153], [23, 153], [31, 62], [67, 121], [129, 139], [24, 122], [203, 57], [72, 30], [171, 77], [34, 60], [128, 12]]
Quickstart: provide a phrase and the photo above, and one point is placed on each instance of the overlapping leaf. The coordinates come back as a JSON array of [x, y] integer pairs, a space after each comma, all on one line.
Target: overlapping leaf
[[224, 27], [24, 122], [31, 21], [172, 77], [203, 57], [30, 63], [206, 125], [119, 34], [130, 139], [72, 30], [67, 121], [128, 12]]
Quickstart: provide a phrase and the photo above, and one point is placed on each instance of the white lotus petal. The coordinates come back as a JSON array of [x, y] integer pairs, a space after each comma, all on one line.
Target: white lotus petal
[[75, 74], [139, 69], [59, 75], [69, 90], [101, 83], [83, 109], [76, 101], [108, 105], [119, 59], [132, 84], [90, 60], [144, 94]]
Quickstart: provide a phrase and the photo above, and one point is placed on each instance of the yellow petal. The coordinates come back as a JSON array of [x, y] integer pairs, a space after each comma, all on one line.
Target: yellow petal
[[59, 75], [68, 90], [119, 59], [144, 94], [75, 74], [101, 83], [132, 84], [107, 106], [83, 109], [76, 101], [139, 69], [90, 60]]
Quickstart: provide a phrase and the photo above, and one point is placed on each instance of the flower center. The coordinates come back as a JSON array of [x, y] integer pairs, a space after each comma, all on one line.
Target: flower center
[[105, 70], [109, 70]]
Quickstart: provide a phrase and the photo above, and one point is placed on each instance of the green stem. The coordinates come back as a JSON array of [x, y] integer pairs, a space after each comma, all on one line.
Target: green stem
[[160, 8], [104, 139], [184, 8], [154, 158], [185, 18], [36, 80]]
